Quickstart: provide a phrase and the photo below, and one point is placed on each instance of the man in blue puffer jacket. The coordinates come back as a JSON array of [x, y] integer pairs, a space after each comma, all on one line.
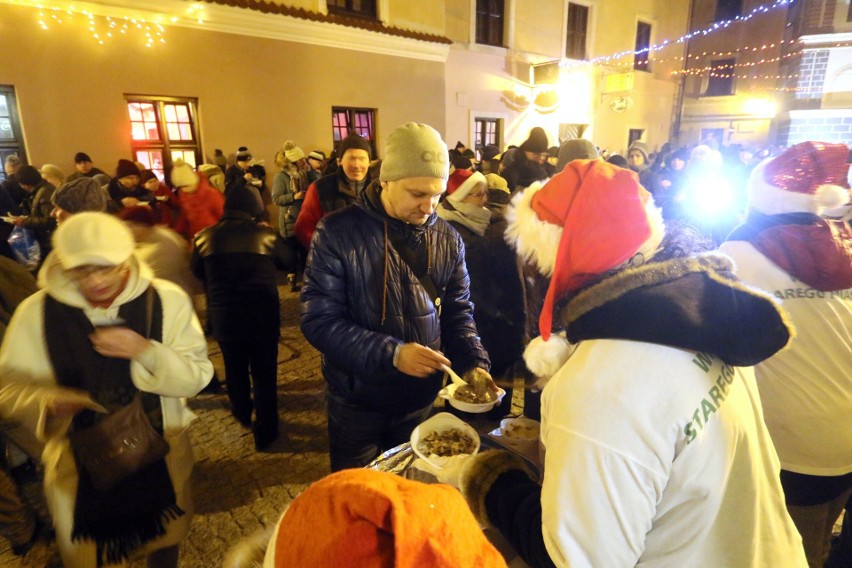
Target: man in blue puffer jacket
[[386, 301]]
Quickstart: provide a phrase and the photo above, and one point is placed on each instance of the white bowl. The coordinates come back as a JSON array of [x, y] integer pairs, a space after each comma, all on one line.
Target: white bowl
[[520, 431], [448, 393], [442, 422]]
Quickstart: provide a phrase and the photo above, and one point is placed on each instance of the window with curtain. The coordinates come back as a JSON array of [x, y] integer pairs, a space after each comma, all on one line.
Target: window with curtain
[[359, 120], [486, 132]]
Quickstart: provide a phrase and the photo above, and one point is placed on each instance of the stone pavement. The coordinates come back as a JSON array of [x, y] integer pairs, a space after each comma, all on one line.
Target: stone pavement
[[237, 490]]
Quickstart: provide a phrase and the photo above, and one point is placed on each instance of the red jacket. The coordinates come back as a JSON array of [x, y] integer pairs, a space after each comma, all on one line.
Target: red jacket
[[201, 208]]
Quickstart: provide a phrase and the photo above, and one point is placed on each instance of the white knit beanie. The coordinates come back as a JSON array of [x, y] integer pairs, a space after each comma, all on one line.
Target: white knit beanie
[[415, 150], [93, 238], [182, 174]]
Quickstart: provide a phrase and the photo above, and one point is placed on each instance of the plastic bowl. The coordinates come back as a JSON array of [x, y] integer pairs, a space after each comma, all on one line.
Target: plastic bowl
[[448, 393], [442, 422], [520, 431]]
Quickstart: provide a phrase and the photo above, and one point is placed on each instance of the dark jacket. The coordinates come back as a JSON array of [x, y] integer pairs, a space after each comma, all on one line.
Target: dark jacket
[[234, 258], [117, 192], [360, 300], [497, 292], [37, 206], [328, 194]]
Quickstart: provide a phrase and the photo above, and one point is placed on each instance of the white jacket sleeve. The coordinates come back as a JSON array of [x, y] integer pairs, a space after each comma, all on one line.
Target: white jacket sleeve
[[178, 366]]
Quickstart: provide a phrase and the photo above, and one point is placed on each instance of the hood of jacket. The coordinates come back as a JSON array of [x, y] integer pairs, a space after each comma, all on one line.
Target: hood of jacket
[[53, 279], [814, 250], [693, 303]]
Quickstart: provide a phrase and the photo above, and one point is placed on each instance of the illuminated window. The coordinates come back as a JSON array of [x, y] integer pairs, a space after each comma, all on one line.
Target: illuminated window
[[578, 21], [489, 22], [361, 8], [358, 120], [643, 46], [11, 136], [163, 129]]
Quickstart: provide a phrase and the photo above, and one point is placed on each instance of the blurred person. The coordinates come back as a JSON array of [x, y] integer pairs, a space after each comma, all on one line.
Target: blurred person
[[655, 448], [52, 175], [288, 192], [575, 149], [10, 184], [36, 207], [787, 249], [384, 346], [239, 168], [618, 160], [82, 194], [496, 284], [164, 251], [166, 208], [202, 205], [234, 258], [95, 294], [526, 164], [221, 162], [256, 183], [671, 189], [215, 175], [333, 192], [125, 189], [316, 162], [395, 521], [84, 167], [639, 161]]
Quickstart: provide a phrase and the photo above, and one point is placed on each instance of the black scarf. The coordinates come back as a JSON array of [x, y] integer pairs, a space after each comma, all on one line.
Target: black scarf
[[136, 511]]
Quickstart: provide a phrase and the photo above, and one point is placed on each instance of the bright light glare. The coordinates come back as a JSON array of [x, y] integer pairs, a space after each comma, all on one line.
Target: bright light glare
[[711, 197], [760, 107]]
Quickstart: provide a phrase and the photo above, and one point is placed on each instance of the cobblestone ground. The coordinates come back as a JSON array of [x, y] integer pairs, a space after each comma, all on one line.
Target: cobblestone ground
[[237, 490]]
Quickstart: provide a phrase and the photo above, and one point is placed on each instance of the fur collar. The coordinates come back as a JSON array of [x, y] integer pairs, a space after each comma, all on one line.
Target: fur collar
[[693, 303]]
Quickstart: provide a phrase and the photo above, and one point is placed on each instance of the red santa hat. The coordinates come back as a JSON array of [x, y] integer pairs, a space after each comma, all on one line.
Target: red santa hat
[[588, 219], [462, 182], [807, 177]]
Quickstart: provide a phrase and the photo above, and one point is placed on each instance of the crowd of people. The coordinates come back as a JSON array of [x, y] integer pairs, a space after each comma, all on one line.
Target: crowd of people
[[682, 322]]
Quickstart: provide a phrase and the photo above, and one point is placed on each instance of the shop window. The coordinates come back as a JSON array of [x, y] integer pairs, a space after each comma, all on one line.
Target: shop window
[[163, 129]]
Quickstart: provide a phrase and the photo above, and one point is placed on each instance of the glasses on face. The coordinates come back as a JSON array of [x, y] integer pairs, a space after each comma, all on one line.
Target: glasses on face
[[82, 272]]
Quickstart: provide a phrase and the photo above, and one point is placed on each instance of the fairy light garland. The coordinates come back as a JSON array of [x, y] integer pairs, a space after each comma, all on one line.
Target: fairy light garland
[[104, 28]]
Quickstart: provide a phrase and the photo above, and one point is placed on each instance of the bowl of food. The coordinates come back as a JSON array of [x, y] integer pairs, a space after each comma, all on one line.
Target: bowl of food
[[464, 397], [520, 431], [444, 438]]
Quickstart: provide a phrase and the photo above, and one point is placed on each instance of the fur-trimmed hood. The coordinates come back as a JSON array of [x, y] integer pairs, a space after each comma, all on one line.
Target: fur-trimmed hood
[[691, 303]]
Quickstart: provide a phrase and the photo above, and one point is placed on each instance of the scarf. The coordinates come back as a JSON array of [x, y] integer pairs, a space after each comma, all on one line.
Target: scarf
[[473, 217], [135, 512]]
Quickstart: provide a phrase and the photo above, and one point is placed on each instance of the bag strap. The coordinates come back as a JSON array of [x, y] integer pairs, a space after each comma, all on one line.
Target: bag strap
[[149, 309], [424, 278]]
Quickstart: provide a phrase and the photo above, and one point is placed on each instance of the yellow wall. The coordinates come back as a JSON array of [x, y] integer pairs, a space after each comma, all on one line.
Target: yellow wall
[[251, 91], [426, 17]]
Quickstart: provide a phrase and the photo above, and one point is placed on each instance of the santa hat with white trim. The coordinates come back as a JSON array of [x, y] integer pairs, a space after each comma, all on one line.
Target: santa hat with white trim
[[807, 177], [586, 220]]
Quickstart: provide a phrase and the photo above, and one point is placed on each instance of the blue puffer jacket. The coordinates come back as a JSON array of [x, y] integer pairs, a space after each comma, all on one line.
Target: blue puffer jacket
[[360, 300]]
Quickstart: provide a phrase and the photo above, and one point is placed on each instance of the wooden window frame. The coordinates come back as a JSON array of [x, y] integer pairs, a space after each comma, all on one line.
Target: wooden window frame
[[576, 41], [165, 145], [721, 86], [491, 22], [354, 122], [15, 145], [368, 9], [642, 61]]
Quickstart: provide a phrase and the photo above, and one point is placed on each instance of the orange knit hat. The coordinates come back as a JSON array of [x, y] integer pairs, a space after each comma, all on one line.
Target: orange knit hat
[[366, 518]]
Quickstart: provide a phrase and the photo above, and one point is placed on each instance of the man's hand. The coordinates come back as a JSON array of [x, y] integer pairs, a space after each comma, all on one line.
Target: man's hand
[[419, 361], [129, 201], [120, 342]]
